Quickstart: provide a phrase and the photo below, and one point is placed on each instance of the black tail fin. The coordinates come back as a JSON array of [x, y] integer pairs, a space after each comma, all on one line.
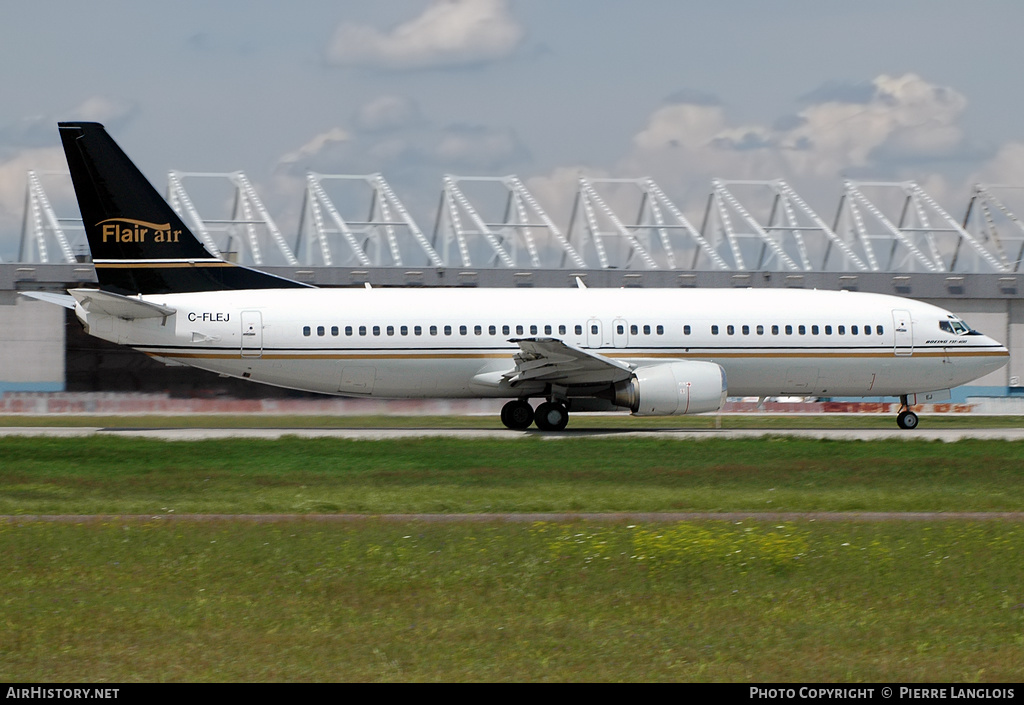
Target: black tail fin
[[138, 243]]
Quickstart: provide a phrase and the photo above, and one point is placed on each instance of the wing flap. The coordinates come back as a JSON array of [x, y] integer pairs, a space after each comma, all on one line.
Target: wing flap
[[553, 360]]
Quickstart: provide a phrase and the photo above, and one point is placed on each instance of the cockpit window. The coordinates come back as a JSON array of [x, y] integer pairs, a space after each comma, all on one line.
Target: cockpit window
[[955, 326]]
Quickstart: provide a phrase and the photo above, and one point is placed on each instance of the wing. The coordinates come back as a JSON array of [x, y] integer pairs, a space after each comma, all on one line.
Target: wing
[[553, 360]]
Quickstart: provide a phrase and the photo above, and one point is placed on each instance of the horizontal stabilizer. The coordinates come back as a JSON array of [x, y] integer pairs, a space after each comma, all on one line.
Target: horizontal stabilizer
[[110, 304], [50, 297]]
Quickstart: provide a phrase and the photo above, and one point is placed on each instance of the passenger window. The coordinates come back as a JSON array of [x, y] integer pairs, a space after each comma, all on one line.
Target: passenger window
[[477, 330], [505, 330], [348, 330], [841, 330], [714, 330], [745, 330], [760, 330], [417, 330], [533, 329], [593, 329], [647, 330], [633, 330], [730, 330], [561, 329], [620, 329], [376, 330], [828, 330], [362, 330], [775, 330], [447, 330], [404, 330], [867, 330], [579, 330], [320, 330], [686, 329], [433, 330], [519, 330], [306, 330], [853, 330], [492, 330], [462, 330], [802, 330], [334, 330], [814, 330], [660, 330], [391, 330], [547, 330], [879, 330], [789, 330]]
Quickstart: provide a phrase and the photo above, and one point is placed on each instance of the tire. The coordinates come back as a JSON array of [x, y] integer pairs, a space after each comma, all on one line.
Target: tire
[[907, 420], [551, 416], [517, 415]]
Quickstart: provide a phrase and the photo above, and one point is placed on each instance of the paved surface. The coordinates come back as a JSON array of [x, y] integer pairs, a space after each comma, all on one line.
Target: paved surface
[[193, 434]]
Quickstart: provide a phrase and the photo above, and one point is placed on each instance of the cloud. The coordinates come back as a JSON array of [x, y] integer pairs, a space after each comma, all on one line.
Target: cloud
[[887, 128], [447, 33], [32, 143], [386, 113], [309, 152]]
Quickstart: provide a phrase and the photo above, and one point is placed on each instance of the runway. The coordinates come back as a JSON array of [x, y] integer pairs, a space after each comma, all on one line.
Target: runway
[[381, 434]]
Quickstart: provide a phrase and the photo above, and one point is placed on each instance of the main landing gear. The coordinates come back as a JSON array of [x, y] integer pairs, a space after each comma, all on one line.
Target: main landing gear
[[906, 419], [549, 416]]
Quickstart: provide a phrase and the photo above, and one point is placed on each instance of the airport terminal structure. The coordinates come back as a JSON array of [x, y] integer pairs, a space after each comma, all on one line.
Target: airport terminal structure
[[354, 230]]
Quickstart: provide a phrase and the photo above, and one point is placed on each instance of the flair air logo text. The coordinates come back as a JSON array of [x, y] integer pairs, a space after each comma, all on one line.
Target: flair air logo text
[[128, 230]]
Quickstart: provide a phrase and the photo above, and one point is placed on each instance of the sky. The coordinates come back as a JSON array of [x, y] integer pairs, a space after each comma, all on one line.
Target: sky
[[813, 91]]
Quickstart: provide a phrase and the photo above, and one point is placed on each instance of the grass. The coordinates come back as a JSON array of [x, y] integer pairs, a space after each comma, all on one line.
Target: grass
[[110, 475], [149, 600], [696, 601]]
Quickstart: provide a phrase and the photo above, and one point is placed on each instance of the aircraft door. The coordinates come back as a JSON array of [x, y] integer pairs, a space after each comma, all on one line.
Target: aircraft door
[[903, 327], [594, 339], [252, 334], [620, 333]]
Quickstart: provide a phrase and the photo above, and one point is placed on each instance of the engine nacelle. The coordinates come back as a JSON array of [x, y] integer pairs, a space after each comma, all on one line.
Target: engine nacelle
[[673, 388]]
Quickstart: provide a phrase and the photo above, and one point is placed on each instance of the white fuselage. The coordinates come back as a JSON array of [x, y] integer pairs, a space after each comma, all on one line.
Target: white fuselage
[[419, 342]]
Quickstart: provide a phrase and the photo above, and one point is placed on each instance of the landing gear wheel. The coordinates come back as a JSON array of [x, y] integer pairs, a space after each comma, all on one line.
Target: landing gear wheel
[[907, 420], [552, 416], [517, 415]]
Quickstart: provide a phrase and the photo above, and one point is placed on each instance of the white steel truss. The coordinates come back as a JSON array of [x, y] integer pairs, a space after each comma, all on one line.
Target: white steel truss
[[996, 224], [375, 241], [922, 235], [657, 236], [241, 230], [600, 221], [510, 239], [40, 224], [788, 235]]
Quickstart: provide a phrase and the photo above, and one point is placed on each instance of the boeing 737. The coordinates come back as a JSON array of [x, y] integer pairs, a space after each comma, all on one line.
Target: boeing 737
[[649, 351]]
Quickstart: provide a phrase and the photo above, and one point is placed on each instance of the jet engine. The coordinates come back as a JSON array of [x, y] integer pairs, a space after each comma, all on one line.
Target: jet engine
[[673, 388]]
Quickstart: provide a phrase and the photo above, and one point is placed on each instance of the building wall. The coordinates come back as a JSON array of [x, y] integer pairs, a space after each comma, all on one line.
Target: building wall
[[31, 345]]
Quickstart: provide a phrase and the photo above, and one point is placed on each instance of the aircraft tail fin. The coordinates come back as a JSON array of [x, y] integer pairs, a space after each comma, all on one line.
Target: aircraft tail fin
[[139, 244]]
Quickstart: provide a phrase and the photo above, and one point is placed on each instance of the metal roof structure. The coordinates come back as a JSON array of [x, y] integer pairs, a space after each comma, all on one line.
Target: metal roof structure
[[357, 220]]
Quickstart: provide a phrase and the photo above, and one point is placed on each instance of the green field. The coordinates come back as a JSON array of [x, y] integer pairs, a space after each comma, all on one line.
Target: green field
[[123, 600]]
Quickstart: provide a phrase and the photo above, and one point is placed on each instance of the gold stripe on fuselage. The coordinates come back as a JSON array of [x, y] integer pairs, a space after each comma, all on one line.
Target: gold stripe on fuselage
[[253, 353]]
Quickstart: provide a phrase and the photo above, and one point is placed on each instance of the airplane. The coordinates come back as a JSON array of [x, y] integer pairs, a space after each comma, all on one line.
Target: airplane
[[653, 352]]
